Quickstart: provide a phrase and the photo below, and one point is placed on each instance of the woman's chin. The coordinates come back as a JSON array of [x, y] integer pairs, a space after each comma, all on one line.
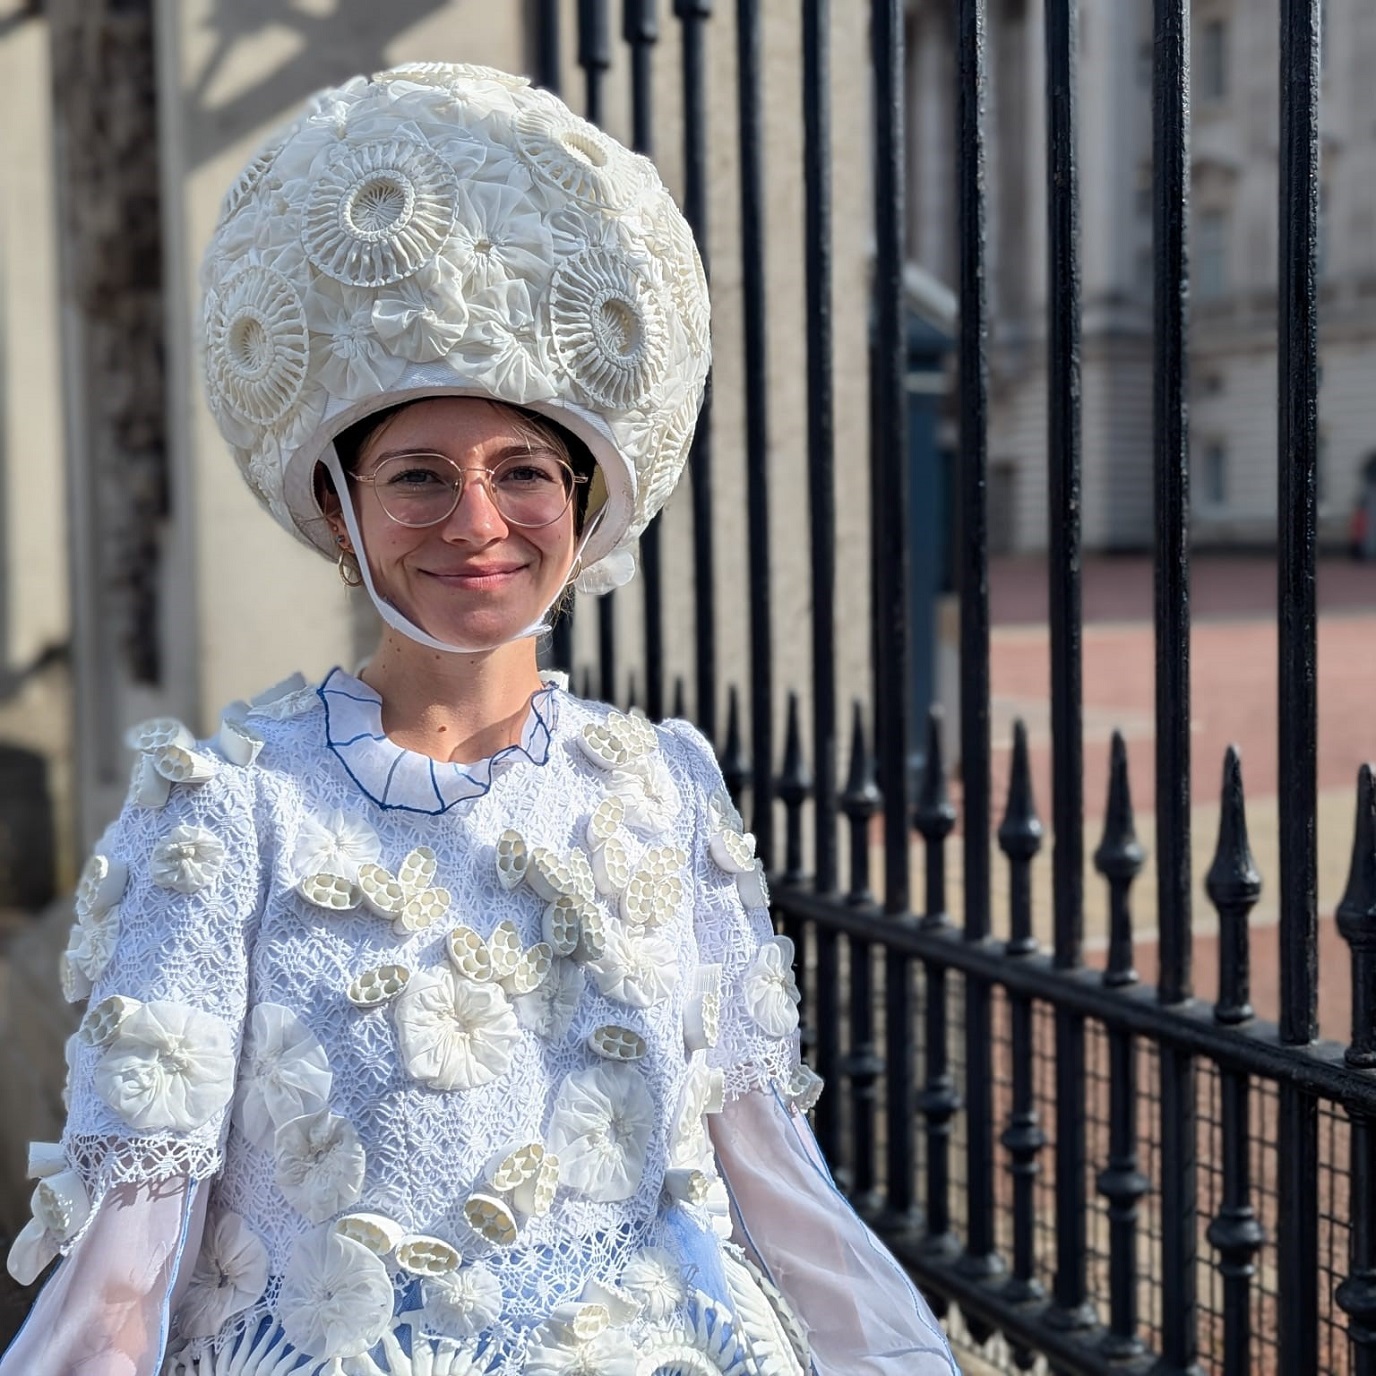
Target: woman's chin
[[477, 630]]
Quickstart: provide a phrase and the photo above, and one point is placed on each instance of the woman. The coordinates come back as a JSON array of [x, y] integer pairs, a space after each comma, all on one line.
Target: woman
[[436, 1024]]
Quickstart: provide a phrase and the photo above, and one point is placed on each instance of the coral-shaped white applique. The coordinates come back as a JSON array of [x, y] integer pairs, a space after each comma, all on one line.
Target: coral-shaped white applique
[[256, 347], [378, 211], [608, 327]]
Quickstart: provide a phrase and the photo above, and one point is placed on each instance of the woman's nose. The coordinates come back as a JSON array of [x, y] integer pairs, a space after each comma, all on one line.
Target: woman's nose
[[475, 517]]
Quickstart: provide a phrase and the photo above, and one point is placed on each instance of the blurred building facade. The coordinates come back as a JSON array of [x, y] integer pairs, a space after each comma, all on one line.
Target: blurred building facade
[[1234, 238]]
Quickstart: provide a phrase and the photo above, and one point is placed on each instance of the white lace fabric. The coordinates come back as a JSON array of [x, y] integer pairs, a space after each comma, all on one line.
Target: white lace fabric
[[337, 1114]]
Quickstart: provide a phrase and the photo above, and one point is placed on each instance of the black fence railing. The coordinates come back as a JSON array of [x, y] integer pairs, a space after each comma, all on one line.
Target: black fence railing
[[1109, 1175]]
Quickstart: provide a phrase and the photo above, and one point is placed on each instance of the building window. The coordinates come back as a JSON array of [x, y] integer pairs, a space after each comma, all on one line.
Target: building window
[[1213, 61], [1215, 474], [1211, 255]]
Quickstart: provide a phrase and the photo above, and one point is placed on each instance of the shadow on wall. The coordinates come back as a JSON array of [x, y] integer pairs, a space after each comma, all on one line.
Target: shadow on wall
[[335, 39]]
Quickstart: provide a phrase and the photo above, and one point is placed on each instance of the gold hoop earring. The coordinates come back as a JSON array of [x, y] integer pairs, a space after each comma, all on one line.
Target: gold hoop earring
[[349, 573]]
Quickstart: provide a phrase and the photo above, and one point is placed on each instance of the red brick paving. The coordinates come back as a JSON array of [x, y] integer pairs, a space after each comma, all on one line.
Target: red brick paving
[[1233, 647]]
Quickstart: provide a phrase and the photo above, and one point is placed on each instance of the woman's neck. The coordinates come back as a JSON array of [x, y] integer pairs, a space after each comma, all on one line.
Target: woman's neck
[[453, 707]]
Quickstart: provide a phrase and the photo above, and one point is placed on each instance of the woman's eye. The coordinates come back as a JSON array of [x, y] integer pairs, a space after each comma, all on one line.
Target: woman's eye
[[527, 475], [415, 477]]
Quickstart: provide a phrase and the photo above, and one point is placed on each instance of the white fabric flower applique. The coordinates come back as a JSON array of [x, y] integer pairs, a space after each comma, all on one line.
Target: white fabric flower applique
[[96, 930], [582, 1346], [186, 859], [649, 793], [497, 236], [168, 1066], [652, 1276], [406, 320], [454, 1033], [462, 1302], [409, 899], [600, 1129], [549, 1010], [639, 967], [320, 1164], [283, 1074], [334, 843], [336, 1298], [350, 361], [704, 1092], [505, 350], [231, 1274], [769, 988]]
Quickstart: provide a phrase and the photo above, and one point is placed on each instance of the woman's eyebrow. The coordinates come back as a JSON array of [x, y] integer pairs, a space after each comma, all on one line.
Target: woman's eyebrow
[[515, 447]]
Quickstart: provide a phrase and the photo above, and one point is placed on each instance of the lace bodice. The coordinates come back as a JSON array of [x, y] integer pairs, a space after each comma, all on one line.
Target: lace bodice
[[444, 1036]]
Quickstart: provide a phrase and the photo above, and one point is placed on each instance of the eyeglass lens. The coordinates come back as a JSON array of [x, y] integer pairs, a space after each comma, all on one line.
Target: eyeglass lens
[[423, 489]]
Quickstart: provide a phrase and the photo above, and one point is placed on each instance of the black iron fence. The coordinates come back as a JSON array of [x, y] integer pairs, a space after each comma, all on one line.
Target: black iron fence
[[1091, 1171]]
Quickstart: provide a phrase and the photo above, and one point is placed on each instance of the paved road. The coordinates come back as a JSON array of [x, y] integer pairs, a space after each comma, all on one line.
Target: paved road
[[1233, 650]]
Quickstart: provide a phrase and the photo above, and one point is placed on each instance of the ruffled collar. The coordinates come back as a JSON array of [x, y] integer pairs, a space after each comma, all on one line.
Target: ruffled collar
[[403, 780]]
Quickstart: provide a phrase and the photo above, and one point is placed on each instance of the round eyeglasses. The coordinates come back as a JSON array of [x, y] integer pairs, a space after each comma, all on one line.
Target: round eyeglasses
[[423, 489]]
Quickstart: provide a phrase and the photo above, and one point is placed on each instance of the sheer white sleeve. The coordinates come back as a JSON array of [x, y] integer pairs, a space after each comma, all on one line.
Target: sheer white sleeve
[[105, 1310], [860, 1312]]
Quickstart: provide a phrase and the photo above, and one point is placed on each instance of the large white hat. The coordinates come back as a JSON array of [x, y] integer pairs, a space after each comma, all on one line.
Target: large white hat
[[451, 230]]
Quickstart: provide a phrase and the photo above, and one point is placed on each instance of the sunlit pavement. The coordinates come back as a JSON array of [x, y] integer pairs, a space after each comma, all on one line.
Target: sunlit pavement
[[1233, 648]]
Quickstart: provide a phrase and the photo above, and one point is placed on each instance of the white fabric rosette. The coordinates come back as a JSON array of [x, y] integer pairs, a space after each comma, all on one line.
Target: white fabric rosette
[[283, 1074], [336, 1298], [454, 1033], [600, 1130], [231, 1274], [770, 990], [169, 1066]]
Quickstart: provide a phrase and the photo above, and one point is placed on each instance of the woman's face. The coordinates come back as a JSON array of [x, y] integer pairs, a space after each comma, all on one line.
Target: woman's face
[[472, 579]]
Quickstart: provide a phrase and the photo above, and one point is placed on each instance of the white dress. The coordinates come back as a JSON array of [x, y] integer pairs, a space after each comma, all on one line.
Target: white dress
[[391, 1066]]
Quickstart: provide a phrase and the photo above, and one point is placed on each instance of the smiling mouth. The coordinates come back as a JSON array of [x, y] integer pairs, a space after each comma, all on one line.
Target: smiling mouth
[[473, 575]]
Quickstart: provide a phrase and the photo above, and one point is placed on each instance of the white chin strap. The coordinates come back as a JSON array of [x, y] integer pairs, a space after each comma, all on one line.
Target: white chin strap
[[540, 626]]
